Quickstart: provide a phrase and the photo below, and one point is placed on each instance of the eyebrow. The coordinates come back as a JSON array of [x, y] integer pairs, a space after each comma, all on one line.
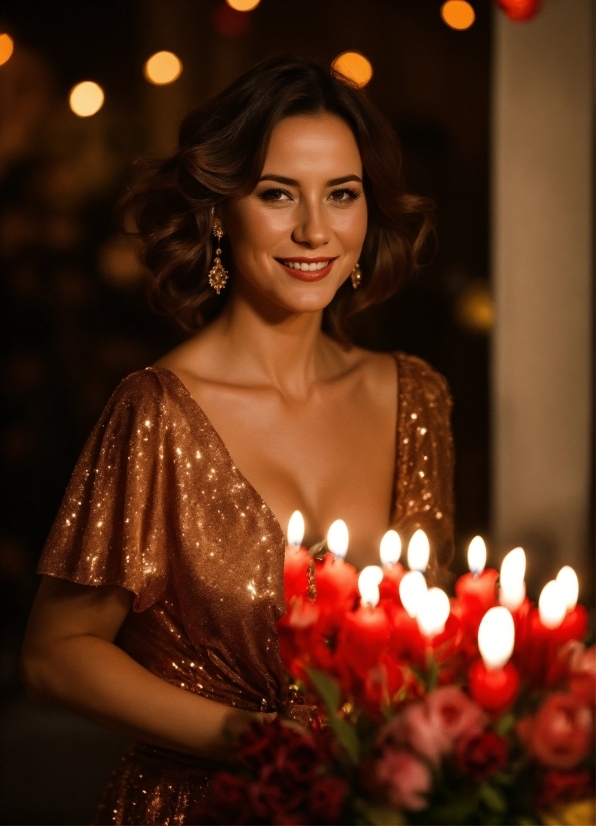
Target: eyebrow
[[280, 179]]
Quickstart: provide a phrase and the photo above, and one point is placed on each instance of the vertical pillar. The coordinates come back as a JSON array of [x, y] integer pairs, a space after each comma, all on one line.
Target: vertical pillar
[[543, 185]]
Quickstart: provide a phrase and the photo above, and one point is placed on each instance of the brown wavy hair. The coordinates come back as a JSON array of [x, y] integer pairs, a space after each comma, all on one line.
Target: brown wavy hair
[[221, 153]]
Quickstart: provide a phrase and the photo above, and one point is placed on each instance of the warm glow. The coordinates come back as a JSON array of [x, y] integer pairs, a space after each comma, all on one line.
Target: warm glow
[[338, 538], [6, 48], [296, 529], [243, 5], [86, 98], [162, 68], [511, 579], [552, 605], [433, 612], [477, 555], [368, 584], [569, 584], [496, 637], [390, 548], [418, 551], [412, 589], [354, 66], [458, 14]]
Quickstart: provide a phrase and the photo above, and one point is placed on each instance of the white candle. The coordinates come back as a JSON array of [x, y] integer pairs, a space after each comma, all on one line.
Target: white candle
[[390, 548], [477, 555], [411, 590], [511, 579], [296, 529], [569, 583], [338, 539], [496, 637], [433, 612], [368, 584], [418, 551], [552, 605]]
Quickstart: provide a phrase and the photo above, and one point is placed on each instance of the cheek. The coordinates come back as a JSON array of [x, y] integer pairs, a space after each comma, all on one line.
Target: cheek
[[255, 229], [351, 225]]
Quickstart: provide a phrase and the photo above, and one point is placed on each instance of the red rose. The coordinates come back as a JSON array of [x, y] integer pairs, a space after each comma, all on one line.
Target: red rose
[[382, 683], [481, 754], [298, 758], [326, 799], [565, 787], [227, 802], [560, 734], [274, 795], [256, 746]]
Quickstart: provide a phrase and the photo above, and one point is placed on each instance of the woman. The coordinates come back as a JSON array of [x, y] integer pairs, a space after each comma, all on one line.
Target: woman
[[164, 569]]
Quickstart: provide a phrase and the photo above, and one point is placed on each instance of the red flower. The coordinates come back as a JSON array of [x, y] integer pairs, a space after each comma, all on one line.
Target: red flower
[[326, 799], [559, 735], [565, 787], [298, 758], [582, 679], [382, 683], [228, 802], [274, 795], [256, 746], [482, 754], [403, 779]]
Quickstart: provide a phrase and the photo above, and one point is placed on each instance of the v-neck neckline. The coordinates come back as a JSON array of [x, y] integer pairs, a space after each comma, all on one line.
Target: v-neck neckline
[[223, 447]]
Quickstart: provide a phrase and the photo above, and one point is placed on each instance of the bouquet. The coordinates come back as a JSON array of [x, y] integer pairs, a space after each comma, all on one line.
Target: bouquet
[[473, 710]]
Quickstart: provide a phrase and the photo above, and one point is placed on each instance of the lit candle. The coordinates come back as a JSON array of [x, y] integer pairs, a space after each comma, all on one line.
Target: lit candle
[[477, 555], [569, 583], [476, 590], [418, 551], [336, 579], [296, 529], [393, 570], [368, 585], [552, 605], [433, 612], [513, 587], [494, 681], [366, 631], [338, 539], [411, 590]]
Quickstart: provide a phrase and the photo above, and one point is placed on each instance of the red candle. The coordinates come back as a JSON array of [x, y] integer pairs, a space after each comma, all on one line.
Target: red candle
[[573, 627], [389, 586], [296, 563], [477, 592], [364, 636], [493, 689]]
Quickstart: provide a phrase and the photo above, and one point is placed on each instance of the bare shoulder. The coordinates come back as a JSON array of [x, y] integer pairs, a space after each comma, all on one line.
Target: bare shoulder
[[374, 369]]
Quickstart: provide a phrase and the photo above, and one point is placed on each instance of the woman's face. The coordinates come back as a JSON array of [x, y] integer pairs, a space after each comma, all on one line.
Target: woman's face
[[297, 237]]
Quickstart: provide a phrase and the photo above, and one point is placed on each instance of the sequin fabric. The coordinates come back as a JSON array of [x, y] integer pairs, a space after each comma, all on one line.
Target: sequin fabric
[[156, 506]]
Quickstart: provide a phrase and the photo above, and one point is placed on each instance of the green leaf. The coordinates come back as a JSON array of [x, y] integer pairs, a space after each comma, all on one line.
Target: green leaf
[[492, 798], [381, 815], [505, 724], [432, 677], [327, 689], [456, 811], [347, 737], [503, 779]]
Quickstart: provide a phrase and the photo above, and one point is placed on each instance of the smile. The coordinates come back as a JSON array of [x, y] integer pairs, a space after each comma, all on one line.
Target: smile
[[307, 269]]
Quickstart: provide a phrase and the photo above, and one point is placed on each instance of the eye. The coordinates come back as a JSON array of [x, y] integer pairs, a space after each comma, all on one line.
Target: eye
[[275, 195], [345, 195]]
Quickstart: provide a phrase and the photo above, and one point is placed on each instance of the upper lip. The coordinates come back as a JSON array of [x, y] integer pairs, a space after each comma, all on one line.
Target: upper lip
[[304, 260]]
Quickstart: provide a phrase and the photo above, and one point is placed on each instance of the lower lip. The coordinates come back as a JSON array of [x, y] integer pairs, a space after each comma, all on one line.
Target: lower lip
[[308, 275]]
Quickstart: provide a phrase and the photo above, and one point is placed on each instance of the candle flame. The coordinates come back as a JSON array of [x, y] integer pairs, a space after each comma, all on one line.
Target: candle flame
[[433, 612], [552, 605], [296, 529], [338, 538], [567, 579], [511, 578], [477, 555], [368, 584], [411, 590], [390, 548], [496, 637], [418, 551]]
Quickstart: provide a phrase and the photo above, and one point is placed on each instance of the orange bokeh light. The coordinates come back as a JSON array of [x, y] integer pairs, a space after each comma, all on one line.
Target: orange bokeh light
[[6, 48], [243, 5], [86, 98], [162, 68], [354, 66], [458, 14]]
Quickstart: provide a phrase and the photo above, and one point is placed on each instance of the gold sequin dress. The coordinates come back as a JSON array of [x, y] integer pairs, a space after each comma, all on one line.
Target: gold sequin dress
[[156, 506]]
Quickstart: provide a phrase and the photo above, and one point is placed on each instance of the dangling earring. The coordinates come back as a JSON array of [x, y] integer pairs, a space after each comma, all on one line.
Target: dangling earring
[[218, 275], [356, 276]]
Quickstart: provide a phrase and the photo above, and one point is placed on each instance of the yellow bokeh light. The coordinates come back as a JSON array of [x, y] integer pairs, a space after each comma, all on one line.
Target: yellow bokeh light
[[458, 14], [243, 5], [162, 68], [6, 48], [86, 98], [354, 66]]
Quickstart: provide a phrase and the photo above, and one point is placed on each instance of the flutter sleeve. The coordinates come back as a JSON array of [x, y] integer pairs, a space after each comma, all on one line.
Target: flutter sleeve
[[111, 526], [424, 471]]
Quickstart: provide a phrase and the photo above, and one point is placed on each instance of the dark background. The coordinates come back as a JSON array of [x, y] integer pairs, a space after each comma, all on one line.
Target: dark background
[[74, 318]]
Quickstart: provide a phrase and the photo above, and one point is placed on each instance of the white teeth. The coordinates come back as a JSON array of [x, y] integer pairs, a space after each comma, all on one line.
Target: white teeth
[[302, 265]]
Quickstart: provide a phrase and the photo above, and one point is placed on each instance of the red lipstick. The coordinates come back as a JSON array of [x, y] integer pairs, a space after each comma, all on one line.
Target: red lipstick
[[306, 275]]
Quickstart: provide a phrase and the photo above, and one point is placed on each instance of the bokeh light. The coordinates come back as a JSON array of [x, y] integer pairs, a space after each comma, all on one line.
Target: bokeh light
[[6, 48], [86, 98], [162, 68], [354, 66], [458, 14], [475, 308], [243, 5]]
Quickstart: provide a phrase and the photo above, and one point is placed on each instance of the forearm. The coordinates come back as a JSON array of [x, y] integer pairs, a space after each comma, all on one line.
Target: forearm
[[96, 679]]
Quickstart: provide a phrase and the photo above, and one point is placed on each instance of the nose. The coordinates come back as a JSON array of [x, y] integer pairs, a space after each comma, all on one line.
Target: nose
[[312, 228]]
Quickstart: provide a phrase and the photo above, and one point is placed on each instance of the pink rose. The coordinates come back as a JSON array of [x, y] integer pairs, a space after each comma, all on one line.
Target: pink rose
[[404, 779], [559, 735], [454, 712]]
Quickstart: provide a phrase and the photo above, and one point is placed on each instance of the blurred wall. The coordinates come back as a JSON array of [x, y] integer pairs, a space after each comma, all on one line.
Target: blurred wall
[[542, 266]]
